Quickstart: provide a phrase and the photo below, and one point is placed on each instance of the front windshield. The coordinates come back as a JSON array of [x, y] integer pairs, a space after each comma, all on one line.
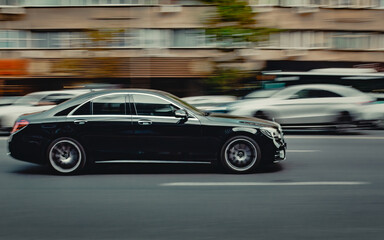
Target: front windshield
[[187, 105], [260, 94], [30, 99]]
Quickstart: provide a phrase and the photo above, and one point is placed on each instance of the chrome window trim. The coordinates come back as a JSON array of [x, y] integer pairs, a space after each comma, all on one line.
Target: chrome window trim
[[166, 117], [90, 100], [127, 116], [98, 116], [128, 96]]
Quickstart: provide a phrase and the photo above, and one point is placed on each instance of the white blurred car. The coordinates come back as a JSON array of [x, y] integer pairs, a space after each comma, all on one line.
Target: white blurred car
[[33, 102], [263, 93], [309, 106], [374, 113], [210, 103]]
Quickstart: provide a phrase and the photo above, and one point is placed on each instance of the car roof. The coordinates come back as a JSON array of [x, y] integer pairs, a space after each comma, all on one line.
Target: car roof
[[72, 91], [321, 86], [345, 91]]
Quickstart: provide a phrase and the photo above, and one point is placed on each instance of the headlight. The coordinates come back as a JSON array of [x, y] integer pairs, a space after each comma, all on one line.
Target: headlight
[[270, 132]]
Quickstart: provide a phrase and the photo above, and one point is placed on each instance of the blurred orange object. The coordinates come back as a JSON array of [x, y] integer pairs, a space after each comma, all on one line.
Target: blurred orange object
[[13, 66]]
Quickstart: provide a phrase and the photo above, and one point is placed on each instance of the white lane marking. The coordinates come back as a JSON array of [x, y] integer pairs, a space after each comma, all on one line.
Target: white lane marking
[[193, 184], [334, 137], [303, 151]]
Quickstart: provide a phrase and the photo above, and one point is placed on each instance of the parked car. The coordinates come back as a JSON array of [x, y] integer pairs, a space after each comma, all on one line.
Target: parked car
[[309, 106], [142, 126], [33, 102]]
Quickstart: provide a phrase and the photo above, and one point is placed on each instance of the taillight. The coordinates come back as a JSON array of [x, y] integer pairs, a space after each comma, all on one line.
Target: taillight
[[19, 125]]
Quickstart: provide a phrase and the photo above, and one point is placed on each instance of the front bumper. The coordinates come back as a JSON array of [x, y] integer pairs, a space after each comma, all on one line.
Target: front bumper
[[281, 153]]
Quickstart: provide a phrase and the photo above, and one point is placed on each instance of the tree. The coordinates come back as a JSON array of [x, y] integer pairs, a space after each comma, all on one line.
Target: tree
[[232, 26]]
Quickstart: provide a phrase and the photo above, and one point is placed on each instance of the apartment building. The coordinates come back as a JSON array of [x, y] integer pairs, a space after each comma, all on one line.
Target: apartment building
[[162, 44]]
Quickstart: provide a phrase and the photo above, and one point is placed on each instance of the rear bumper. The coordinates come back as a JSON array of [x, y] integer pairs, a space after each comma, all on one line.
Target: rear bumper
[[26, 149]]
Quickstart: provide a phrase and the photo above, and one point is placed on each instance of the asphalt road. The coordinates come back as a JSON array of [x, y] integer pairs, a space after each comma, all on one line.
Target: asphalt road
[[330, 187]]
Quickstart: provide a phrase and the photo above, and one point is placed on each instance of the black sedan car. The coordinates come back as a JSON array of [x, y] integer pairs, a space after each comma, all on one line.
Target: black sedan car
[[142, 126]]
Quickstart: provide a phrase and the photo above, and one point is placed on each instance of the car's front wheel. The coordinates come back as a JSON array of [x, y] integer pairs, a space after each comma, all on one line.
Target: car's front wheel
[[66, 156], [240, 154]]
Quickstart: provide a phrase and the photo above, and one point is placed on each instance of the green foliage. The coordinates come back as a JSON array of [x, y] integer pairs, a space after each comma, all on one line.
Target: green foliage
[[102, 37], [233, 11], [233, 25], [224, 81]]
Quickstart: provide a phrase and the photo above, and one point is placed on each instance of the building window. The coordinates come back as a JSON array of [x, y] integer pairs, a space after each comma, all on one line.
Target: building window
[[353, 3], [58, 40], [301, 3], [356, 41], [188, 38], [81, 2], [13, 39], [155, 38], [262, 3]]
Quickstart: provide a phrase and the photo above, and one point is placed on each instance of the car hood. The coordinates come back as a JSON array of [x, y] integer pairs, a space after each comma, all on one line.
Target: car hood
[[241, 121]]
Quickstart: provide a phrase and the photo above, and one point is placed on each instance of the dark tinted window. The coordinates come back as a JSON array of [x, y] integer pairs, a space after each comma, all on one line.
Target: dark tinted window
[[66, 111], [109, 105], [314, 93], [153, 106], [324, 93], [84, 109]]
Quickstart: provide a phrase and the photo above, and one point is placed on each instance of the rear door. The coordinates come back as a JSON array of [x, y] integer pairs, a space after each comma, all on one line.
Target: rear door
[[308, 106], [104, 125]]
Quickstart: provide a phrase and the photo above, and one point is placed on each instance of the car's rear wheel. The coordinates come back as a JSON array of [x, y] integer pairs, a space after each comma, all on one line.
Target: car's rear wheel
[[66, 156], [240, 154]]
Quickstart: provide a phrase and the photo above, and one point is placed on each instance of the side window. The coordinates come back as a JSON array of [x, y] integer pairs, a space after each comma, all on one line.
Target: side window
[[303, 93], [326, 94], [109, 105], [153, 106], [85, 109], [66, 111]]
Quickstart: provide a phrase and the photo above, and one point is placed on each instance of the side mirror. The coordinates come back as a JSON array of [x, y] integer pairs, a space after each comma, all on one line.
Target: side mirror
[[181, 113]]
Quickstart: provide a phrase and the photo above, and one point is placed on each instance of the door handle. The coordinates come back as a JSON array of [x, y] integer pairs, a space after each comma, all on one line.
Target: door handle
[[80, 121], [145, 122]]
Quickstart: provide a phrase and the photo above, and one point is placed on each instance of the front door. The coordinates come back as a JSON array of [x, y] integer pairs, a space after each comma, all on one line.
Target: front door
[[160, 134]]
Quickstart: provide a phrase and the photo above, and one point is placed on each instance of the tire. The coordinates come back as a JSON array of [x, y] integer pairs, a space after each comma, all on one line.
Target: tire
[[344, 118], [343, 122], [66, 156], [240, 154]]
